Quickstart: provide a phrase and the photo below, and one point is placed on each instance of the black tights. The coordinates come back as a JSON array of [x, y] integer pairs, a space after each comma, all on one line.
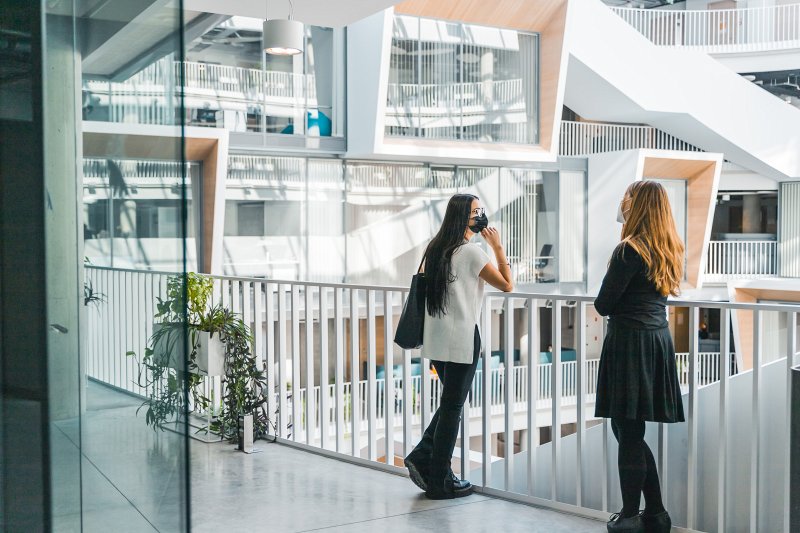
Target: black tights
[[637, 468]]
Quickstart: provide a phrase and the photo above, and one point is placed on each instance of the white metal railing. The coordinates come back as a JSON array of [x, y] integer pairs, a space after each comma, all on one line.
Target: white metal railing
[[719, 30], [741, 260], [349, 335], [151, 95], [443, 98], [584, 138]]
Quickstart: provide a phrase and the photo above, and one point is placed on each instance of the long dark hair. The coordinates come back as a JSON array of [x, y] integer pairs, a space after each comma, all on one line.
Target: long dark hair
[[438, 255]]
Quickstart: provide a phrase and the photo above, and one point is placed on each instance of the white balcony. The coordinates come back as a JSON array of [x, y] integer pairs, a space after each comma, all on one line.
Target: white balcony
[[573, 473], [752, 29], [586, 138], [731, 260]]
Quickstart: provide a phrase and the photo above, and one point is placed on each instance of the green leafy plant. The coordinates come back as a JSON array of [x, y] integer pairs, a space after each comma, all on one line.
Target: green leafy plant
[[91, 296], [183, 316]]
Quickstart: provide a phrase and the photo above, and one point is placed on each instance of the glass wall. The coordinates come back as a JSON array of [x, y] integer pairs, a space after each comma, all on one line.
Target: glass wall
[[229, 82], [462, 82], [78, 454], [368, 222], [132, 213]]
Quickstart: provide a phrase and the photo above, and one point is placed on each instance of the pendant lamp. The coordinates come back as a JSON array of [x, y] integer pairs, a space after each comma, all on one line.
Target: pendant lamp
[[284, 37]]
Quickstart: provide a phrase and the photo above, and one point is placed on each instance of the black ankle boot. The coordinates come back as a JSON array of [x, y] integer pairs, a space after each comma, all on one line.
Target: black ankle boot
[[630, 524], [448, 488], [656, 523], [417, 469]]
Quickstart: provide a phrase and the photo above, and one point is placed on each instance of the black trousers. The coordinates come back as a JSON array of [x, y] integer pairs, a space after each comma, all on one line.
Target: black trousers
[[440, 436]]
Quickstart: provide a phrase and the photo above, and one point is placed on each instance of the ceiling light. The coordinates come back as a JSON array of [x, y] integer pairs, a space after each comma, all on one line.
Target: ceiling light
[[284, 37]]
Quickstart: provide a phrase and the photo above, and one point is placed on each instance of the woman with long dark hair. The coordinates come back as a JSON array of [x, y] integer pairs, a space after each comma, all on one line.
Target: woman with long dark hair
[[455, 274], [637, 379]]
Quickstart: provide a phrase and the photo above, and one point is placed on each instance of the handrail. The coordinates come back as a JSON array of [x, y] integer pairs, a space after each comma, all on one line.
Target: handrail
[[675, 302], [719, 30]]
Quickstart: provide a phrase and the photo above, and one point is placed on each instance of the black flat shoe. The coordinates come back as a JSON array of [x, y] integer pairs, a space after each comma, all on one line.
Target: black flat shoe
[[656, 523], [631, 524], [417, 471], [449, 489]]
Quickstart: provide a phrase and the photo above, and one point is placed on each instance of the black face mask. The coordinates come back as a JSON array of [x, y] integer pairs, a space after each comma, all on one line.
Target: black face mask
[[479, 224]]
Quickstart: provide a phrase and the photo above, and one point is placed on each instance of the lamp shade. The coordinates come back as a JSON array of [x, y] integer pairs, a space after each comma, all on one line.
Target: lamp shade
[[283, 37]]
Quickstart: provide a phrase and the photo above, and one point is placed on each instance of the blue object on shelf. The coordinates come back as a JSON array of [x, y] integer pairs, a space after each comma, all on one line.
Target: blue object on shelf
[[494, 364], [318, 123], [567, 354], [502, 355]]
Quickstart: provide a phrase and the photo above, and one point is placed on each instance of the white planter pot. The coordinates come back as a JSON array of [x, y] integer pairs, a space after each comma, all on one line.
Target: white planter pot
[[210, 354], [210, 351]]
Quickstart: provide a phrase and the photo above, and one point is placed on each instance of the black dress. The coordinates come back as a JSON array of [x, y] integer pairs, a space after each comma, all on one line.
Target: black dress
[[637, 378]]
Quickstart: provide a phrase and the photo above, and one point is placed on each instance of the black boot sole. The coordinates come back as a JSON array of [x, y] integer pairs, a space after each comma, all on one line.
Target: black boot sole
[[449, 495], [416, 476]]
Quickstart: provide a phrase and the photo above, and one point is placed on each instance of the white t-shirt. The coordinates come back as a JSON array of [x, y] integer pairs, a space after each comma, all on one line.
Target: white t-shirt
[[451, 337]]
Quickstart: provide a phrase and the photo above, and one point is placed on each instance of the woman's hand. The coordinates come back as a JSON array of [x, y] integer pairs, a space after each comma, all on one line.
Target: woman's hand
[[492, 237]]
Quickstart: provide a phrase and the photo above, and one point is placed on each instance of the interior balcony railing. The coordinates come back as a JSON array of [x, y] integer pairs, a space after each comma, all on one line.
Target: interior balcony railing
[[714, 468], [752, 29], [246, 94], [729, 260], [585, 138], [441, 98]]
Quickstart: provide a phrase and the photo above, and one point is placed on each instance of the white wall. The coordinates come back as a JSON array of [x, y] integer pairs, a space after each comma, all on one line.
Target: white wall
[[609, 176], [368, 43]]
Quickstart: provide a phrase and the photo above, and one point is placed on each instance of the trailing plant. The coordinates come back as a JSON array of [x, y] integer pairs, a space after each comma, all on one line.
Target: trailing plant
[[165, 379], [91, 296]]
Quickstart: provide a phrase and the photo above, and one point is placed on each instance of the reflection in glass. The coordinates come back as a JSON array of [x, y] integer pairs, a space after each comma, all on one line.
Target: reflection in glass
[[462, 82], [132, 213], [228, 82]]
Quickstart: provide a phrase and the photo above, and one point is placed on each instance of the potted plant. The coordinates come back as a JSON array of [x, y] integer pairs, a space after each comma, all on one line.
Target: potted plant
[[218, 343]]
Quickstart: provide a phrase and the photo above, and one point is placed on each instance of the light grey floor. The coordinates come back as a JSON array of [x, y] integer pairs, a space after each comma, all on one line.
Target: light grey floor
[[132, 479]]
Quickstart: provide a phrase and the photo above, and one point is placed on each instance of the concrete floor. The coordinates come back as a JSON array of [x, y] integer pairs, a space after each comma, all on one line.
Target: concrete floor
[[131, 482]]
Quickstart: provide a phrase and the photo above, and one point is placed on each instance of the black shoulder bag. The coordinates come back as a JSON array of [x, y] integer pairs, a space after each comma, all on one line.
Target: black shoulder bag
[[412, 319]]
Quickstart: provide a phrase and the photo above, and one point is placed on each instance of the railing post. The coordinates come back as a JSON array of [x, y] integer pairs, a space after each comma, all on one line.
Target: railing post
[[533, 391], [486, 408], [722, 446], [794, 444], [371, 386], [388, 385], [793, 404], [297, 413], [555, 387], [338, 319], [691, 484], [283, 415], [324, 390], [508, 390], [310, 410], [755, 430], [355, 380], [580, 392]]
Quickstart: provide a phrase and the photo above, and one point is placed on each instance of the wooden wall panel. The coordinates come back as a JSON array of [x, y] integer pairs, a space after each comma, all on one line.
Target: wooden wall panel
[[701, 176]]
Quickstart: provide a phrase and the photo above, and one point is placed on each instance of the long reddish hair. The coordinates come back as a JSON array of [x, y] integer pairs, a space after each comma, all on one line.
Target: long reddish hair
[[650, 230]]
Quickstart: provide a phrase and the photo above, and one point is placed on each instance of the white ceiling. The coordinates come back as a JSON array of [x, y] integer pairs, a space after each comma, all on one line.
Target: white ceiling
[[331, 13]]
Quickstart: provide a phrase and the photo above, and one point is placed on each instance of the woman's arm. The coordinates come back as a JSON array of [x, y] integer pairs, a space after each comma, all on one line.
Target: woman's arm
[[625, 263], [498, 277]]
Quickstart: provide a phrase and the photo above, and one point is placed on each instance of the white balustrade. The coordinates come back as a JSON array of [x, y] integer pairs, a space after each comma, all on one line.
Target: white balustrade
[[729, 260], [151, 96], [351, 422], [751, 29], [584, 138]]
